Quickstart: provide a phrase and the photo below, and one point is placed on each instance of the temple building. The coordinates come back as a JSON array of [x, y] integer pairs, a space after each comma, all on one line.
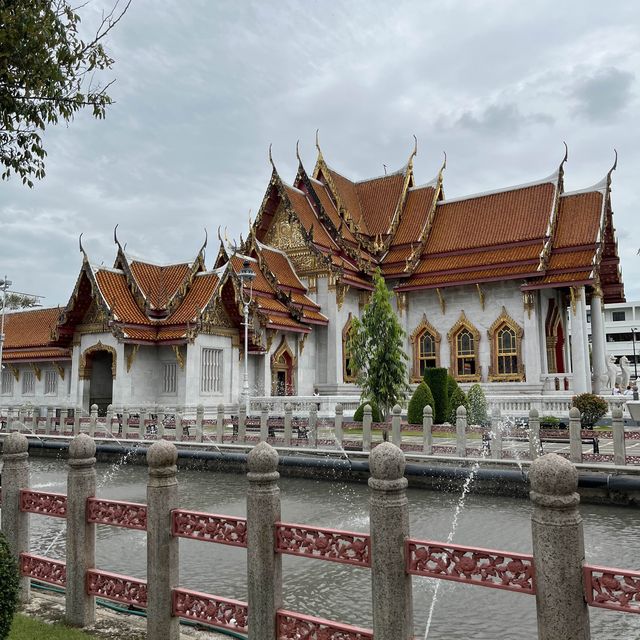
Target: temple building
[[486, 285]]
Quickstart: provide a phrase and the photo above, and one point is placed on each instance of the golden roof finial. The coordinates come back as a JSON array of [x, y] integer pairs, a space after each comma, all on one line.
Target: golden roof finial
[[615, 162], [115, 235], [318, 141], [82, 251], [566, 153], [298, 151]]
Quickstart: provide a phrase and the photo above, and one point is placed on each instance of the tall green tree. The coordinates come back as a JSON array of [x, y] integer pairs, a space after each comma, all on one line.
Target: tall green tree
[[377, 351], [19, 301], [48, 73]]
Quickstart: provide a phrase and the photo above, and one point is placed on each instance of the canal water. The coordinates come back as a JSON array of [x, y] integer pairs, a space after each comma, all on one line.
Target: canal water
[[342, 592]]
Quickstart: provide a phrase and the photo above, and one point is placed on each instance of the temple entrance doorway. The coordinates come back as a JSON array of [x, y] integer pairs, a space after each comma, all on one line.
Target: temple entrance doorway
[[97, 369], [555, 339], [282, 371]]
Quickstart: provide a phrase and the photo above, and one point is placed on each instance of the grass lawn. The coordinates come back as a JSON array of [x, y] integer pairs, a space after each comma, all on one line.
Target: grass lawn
[[24, 628]]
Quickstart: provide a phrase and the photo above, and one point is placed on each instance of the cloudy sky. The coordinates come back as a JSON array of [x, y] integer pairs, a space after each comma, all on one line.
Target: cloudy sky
[[204, 86]]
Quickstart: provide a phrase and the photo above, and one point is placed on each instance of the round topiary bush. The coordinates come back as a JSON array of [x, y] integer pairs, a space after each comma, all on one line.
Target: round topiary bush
[[458, 398], [422, 397], [591, 407], [375, 412], [436, 379], [477, 406], [8, 588]]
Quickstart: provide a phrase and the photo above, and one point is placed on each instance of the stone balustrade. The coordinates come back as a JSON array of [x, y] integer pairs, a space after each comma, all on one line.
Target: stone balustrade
[[555, 572], [503, 438]]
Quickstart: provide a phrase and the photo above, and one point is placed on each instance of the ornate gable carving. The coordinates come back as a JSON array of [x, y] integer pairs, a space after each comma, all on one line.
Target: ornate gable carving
[[95, 320], [284, 233]]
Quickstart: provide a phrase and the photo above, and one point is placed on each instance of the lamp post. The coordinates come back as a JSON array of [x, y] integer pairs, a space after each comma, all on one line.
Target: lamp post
[[635, 363], [246, 276], [4, 285]]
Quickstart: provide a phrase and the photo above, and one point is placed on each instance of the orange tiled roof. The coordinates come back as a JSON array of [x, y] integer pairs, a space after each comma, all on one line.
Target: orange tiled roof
[[159, 283], [479, 275], [30, 328], [349, 197], [378, 200], [53, 353], [579, 218], [202, 289], [414, 215], [571, 260], [330, 209], [564, 278], [116, 293], [287, 323], [280, 266], [498, 218]]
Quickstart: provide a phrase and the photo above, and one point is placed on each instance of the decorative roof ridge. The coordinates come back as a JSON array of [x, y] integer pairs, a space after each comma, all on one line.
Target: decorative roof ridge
[[402, 199], [101, 267], [213, 272], [431, 184], [290, 186], [131, 258], [551, 179], [599, 187], [32, 310]]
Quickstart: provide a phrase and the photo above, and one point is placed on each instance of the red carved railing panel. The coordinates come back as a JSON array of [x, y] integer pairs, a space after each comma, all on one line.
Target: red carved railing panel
[[47, 504], [325, 544], [130, 515], [615, 589], [473, 565], [114, 586], [209, 527], [43, 569], [207, 609], [294, 626]]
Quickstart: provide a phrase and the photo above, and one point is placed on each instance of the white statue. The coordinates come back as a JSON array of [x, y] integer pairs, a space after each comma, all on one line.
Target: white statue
[[626, 373], [612, 372]]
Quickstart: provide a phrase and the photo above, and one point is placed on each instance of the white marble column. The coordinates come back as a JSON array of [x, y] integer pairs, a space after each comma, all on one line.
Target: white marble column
[[598, 351], [532, 348], [579, 342]]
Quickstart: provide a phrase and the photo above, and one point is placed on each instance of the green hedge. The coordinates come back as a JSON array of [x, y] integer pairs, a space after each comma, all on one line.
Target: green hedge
[[422, 397], [375, 412], [436, 379], [591, 407], [8, 588], [458, 398], [477, 406], [452, 385]]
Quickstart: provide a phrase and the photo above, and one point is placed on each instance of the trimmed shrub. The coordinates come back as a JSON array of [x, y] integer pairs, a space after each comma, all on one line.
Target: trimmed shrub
[[452, 385], [422, 397], [477, 406], [436, 379], [8, 588], [458, 398], [375, 412], [591, 407]]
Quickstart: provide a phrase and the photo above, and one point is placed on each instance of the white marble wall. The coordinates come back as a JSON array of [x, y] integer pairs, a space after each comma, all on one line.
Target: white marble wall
[[38, 398]]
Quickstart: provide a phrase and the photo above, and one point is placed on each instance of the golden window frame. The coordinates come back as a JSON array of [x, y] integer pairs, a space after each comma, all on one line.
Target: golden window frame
[[423, 327], [464, 323], [505, 320], [86, 366]]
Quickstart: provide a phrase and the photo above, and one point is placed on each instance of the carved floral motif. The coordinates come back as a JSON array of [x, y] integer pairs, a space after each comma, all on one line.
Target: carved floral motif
[[612, 588], [220, 612], [327, 544], [485, 567], [113, 586], [118, 514], [293, 626], [43, 569], [209, 527], [48, 504]]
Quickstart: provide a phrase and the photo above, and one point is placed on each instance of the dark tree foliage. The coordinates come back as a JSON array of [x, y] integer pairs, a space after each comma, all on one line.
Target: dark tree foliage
[[377, 349], [592, 407], [458, 399], [375, 412], [8, 588], [47, 75], [421, 397], [436, 378]]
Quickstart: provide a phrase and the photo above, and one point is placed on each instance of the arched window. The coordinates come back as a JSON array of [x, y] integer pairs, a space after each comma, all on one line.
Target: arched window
[[426, 348], [505, 336], [349, 373], [463, 342]]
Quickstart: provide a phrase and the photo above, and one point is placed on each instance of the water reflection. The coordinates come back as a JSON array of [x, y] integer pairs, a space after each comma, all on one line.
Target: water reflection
[[343, 592]]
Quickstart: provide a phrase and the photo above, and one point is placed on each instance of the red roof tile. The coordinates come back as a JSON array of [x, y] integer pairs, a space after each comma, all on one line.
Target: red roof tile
[[413, 217], [579, 218], [159, 284], [29, 328], [498, 218], [36, 354], [378, 200], [197, 298], [119, 298]]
